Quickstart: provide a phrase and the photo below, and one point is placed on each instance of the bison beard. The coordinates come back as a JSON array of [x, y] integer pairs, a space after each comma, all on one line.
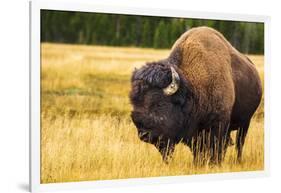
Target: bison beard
[[197, 96]]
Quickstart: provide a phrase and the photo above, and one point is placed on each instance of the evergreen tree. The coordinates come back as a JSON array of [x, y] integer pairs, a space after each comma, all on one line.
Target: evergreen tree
[[176, 29], [146, 34], [161, 37]]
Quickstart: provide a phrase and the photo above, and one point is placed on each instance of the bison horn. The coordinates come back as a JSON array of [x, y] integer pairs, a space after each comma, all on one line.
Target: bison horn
[[174, 85]]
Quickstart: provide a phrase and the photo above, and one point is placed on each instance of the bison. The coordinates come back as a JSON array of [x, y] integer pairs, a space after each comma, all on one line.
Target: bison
[[201, 92]]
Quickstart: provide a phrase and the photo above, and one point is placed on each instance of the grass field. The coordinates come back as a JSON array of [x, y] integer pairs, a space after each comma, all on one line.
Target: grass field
[[87, 133]]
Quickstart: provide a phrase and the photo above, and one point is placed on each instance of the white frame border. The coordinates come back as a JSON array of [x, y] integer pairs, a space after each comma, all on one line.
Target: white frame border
[[34, 81]]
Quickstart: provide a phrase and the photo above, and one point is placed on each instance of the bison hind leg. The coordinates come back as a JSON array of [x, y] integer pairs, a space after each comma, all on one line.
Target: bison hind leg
[[240, 139]]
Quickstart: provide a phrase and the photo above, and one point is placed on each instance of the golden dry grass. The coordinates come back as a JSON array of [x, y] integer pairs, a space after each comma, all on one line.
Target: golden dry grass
[[86, 130]]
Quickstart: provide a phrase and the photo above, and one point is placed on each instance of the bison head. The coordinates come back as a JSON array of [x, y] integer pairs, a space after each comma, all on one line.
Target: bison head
[[160, 100]]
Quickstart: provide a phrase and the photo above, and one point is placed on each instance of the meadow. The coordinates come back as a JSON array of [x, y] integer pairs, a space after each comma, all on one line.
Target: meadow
[[86, 130]]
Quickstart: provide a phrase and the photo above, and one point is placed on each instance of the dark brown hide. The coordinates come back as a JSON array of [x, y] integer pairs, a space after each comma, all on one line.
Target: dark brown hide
[[219, 91]]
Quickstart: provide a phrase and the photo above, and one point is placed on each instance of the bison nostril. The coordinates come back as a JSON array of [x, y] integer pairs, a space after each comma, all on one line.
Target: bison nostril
[[144, 135]]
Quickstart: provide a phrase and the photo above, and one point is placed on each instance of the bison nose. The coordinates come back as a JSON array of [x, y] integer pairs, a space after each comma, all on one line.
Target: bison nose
[[144, 136]]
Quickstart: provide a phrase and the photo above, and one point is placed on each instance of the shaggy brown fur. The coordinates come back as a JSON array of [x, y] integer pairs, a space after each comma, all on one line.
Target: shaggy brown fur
[[206, 64], [225, 82]]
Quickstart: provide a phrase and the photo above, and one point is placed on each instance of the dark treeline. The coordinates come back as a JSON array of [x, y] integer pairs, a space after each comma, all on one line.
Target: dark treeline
[[141, 31]]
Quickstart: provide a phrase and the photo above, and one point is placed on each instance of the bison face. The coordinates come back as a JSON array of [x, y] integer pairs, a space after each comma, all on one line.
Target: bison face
[[158, 97], [157, 117]]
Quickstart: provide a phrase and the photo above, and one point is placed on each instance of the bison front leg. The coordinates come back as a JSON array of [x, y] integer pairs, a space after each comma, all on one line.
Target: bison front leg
[[218, 142], [166, 149], [200, 148]]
